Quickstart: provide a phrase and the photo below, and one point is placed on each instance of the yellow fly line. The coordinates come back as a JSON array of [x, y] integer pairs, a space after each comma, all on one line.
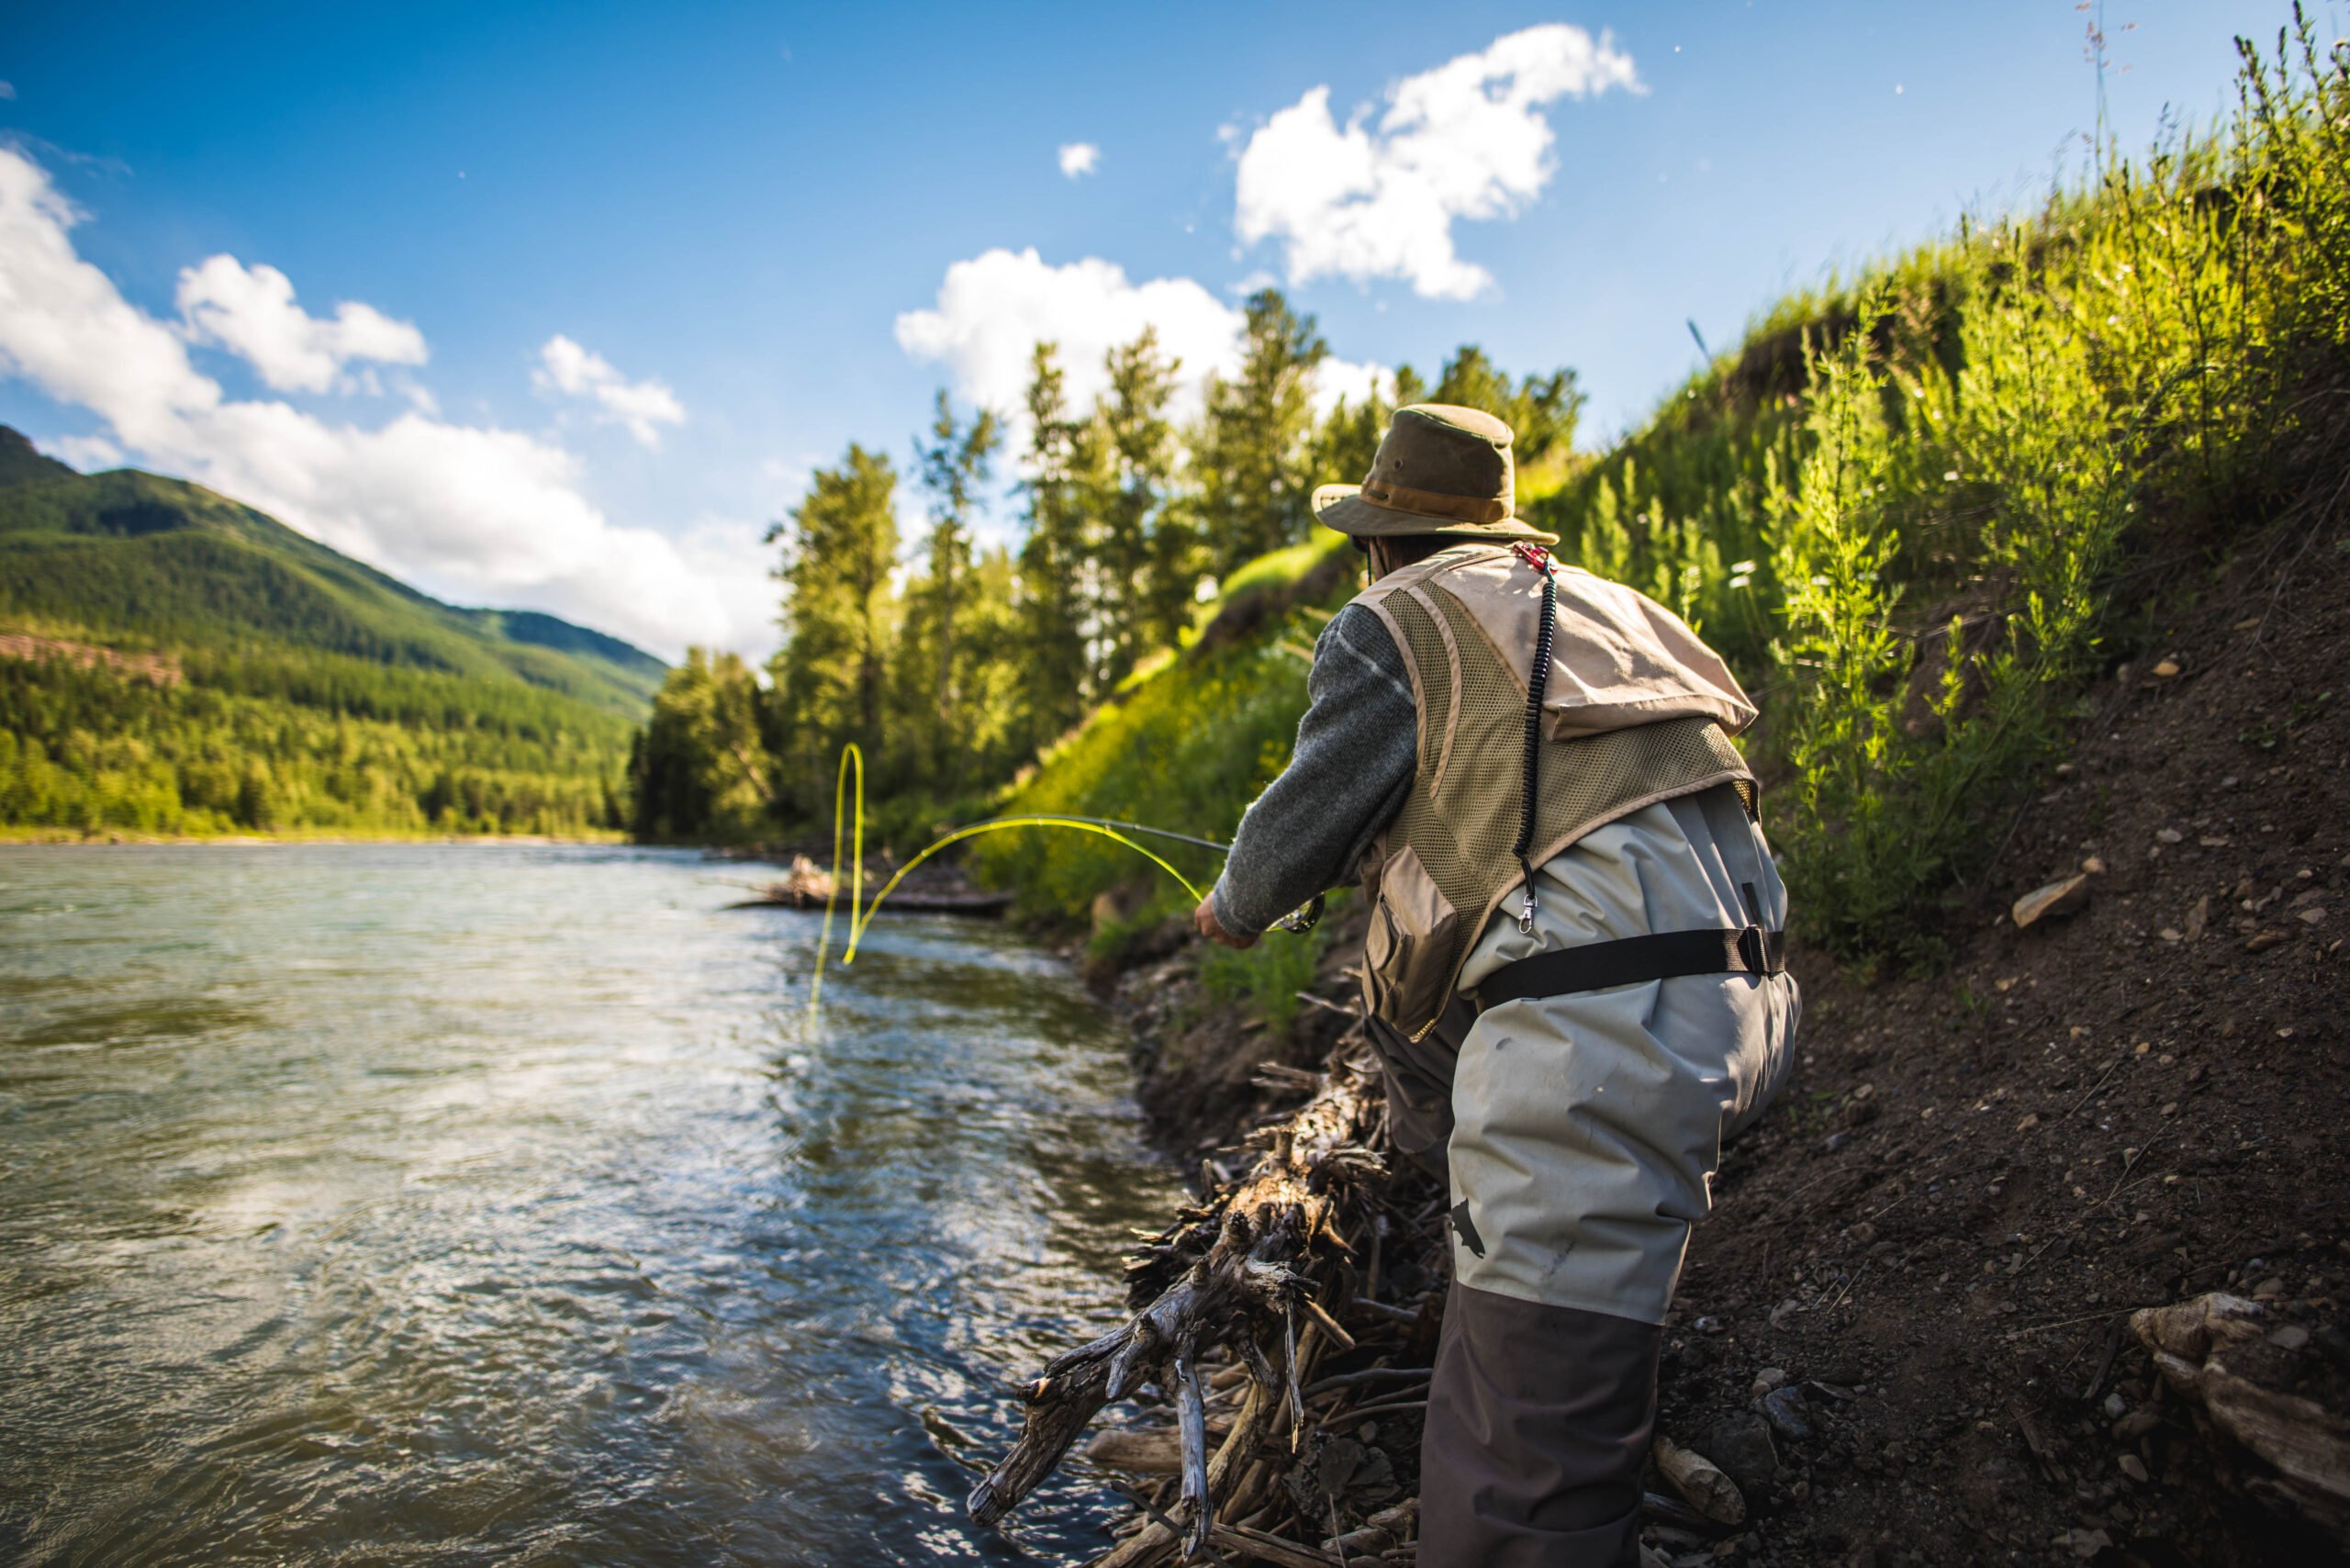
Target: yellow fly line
[[849, 810]]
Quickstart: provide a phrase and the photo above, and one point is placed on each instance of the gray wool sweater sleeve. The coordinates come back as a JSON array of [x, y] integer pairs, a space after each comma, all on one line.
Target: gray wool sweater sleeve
[[1357, 749]]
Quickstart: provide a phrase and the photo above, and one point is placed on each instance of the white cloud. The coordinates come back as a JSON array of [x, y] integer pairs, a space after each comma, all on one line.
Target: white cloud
[[1337, 378], [1467, 139], [1078, 158], [479, 512], [995, 306], [87, 453], [571, 370], [251, 312]]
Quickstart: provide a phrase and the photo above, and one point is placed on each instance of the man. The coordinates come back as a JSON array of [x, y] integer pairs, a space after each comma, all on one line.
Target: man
[[1572, 974]]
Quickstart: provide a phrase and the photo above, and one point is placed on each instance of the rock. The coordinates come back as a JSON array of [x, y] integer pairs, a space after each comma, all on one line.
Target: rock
[[2116, 1407], [1783, 1409], [1707, 1326], [2137, 1424], [2263, 940], [2166, 669], [2169, 835], [2291, 1337], [1741, 1444], [2199, 917], [2057, 897], [2094, 866], [2134, 1468], [1770, 1378], [2030, 1121]]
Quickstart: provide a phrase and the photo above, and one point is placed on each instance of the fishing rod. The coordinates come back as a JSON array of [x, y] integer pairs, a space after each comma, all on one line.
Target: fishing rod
[[849, 811]]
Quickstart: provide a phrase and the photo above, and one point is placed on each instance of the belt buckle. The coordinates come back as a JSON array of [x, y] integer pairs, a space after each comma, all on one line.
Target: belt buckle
[[1751, 949]]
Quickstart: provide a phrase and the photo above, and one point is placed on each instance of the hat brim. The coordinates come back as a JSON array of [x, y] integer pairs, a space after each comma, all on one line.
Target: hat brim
[[1343, 507]]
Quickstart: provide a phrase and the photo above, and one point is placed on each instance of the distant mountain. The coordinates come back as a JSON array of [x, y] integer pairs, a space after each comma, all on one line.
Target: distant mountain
[[166, 562], [104, 574]]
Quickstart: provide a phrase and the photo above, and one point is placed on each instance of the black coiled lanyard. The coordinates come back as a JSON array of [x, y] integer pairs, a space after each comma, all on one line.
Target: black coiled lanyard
[[1538, 680]]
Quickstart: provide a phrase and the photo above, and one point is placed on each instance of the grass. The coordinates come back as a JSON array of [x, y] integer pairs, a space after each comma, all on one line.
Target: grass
[[1912, 508]]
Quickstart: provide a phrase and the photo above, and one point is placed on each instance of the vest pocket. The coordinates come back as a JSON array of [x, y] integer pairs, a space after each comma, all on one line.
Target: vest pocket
[[1408, 952]]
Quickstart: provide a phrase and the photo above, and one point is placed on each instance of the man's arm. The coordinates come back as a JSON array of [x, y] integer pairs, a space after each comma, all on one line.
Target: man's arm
[[1357, 749]]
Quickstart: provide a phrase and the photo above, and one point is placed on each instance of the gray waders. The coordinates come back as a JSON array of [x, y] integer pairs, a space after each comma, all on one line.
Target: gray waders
[[1582, 1133]]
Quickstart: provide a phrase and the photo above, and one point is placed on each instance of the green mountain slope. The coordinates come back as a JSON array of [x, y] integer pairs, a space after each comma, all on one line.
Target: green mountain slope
[[179, 663]]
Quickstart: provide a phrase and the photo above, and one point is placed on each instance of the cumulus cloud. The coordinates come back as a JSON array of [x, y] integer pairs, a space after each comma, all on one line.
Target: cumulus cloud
[[566, 369], [251, 312], [87, 453], [477, 510], [1467, 139], [1080, 158], [994, 308]]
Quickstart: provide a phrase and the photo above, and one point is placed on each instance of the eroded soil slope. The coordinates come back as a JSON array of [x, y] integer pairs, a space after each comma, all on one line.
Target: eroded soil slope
[[1927, 1251]]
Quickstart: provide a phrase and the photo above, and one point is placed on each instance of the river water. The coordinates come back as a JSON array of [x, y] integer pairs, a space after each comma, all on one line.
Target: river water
[[458, 1204]]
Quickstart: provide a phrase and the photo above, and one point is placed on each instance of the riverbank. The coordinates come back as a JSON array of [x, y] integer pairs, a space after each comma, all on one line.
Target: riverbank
[[14, 837], [1938, 1235]]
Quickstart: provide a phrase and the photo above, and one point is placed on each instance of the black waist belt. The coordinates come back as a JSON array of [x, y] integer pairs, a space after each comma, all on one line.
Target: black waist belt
[[1633, 961]]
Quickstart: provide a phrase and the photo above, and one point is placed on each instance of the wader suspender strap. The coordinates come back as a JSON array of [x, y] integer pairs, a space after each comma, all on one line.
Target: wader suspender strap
[[1633, 961], [1538, 680]]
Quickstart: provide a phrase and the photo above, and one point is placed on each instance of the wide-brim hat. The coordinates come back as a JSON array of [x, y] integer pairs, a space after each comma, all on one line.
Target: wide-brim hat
[[1440, 469]]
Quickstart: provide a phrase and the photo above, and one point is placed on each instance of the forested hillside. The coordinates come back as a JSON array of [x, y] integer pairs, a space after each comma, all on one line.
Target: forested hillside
[[1918, 509], [1921, 510], [172, 661]]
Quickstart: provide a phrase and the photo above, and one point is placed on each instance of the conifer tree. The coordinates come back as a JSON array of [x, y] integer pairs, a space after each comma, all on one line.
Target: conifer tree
[[841, 543], [954, 466], [1250, 452], [1056, 615]]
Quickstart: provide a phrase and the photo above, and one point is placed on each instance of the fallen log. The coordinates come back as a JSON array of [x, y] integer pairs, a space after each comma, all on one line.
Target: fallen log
[[1241, 1272], [2217, 1353]]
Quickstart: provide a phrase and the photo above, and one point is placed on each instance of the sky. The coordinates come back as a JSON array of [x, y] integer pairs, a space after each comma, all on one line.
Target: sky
[[560, 305]]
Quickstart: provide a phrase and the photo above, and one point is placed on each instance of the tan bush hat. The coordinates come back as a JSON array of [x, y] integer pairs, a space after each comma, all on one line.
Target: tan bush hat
[[1440, 469]]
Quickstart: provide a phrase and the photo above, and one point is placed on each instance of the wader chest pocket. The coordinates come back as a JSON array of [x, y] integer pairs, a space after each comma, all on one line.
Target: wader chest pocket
[[1408, 952]]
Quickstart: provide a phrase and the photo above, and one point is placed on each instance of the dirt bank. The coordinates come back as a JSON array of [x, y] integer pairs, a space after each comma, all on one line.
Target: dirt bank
[[1936, 1237]]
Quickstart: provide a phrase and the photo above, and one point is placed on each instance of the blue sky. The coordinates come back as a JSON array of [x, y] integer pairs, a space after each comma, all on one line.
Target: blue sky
[[613, 279]]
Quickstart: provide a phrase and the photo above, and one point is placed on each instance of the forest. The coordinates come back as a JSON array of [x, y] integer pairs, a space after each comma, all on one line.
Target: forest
[[1914, 507], [174, 664]]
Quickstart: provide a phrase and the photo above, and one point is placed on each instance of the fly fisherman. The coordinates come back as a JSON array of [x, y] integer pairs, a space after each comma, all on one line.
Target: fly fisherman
[[1572, 973]]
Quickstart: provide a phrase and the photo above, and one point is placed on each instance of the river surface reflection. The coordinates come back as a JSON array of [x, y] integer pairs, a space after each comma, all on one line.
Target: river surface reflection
[[450, 1203]]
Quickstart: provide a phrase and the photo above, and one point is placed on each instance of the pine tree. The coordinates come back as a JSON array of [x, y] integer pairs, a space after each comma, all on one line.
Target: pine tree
[[1147, 555], [1251, 451], [1056, 615], [841, 543], [955, 466]]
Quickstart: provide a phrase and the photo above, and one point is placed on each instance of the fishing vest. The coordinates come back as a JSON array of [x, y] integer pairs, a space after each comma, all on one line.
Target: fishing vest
[[1636, 709]]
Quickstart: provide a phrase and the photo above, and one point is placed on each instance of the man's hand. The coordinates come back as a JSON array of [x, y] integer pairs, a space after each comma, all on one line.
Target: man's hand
[[1205, 919]]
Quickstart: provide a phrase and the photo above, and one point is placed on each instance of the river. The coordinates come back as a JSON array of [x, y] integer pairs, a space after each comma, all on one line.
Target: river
[[447, 1203]]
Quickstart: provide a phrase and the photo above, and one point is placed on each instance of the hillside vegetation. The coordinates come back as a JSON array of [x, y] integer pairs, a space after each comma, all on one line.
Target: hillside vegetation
[[172, 661], [1918, 509]]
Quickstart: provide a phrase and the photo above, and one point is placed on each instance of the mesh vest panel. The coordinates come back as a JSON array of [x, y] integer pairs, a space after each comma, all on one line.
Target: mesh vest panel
[[1460, 819]]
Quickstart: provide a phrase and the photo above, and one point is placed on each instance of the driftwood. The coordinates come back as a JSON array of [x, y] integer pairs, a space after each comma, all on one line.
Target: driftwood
[[1255, 1271], [807, 886], [1712, 1493], [2219, 1352]]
